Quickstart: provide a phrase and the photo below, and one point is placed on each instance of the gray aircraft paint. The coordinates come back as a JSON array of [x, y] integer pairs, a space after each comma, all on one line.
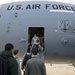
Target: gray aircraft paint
[[58, 20]]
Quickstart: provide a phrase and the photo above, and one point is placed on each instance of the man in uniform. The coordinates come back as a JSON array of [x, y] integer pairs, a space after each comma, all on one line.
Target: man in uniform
[[12, 63], [35, 40], [35, 66]]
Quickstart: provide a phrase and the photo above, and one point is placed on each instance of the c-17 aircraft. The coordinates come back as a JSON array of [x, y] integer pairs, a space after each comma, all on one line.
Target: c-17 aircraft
[[53, 21]]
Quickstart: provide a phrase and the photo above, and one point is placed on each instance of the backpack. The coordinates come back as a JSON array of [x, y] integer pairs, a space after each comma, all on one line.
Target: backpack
[[4, 70]]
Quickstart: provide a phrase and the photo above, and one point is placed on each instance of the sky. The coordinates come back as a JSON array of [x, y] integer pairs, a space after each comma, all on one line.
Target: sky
[[8, 1]]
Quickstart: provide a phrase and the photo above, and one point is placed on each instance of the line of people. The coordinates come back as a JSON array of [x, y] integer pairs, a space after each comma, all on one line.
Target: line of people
[[31, 64], [35, 45], [29, 54]]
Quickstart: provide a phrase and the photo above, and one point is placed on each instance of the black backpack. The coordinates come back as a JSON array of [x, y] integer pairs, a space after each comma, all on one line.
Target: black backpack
[[4, 67]]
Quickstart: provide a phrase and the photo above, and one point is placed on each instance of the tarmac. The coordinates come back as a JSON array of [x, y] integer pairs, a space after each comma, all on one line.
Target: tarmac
[[60, 69]]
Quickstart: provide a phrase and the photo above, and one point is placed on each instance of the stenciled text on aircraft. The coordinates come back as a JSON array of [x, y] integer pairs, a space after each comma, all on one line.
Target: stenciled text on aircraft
[[39, 6]]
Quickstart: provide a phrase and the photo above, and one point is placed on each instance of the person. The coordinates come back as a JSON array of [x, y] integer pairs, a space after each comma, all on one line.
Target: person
[[15, 54], [41, 52], [38, 41], [35, 40], [35, 66], [12, 63], [25, 59]]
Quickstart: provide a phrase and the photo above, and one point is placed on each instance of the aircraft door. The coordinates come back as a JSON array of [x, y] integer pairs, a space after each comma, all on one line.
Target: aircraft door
[[36, 36]]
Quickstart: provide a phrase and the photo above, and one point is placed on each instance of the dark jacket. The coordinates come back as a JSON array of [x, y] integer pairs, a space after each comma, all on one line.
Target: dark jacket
[[25, 59], [13, 66]]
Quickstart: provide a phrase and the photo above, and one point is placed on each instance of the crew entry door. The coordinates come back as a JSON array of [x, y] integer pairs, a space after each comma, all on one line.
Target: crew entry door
[[37, 32]]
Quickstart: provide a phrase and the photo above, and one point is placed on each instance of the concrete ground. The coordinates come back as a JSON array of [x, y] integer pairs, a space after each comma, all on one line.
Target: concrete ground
[[60, 69]]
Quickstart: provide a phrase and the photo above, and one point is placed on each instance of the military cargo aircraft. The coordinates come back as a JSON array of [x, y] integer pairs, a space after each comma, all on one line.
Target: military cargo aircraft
[[54, 22]]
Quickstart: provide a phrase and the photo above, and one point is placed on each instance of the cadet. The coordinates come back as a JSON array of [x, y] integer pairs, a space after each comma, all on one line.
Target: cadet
[[25, 59], [18, 61], [35, 40], [12, 63], [35, 66]]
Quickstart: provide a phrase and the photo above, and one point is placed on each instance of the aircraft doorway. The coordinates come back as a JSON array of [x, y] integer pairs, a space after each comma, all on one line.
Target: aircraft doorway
[[39, 32]]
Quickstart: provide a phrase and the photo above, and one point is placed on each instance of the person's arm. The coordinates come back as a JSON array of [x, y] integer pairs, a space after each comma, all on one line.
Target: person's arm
[[26, 70], [22, 65], [32, 41], [44, 69], [40, 47]]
